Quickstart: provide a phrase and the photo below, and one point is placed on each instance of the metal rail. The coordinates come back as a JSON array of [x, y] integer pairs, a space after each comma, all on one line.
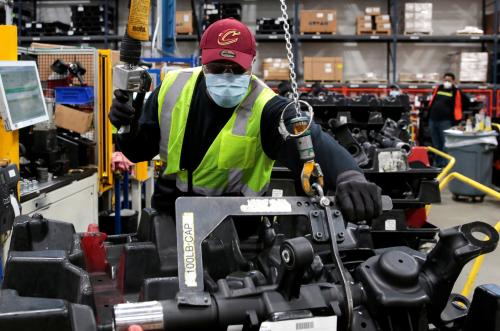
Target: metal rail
[[466, 180]]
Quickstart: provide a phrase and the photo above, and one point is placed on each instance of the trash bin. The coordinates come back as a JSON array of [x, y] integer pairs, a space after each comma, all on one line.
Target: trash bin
[[474, 158]]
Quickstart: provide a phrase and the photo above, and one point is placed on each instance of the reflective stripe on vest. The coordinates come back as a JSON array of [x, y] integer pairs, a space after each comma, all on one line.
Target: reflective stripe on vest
[[168, 105], [446, 94]]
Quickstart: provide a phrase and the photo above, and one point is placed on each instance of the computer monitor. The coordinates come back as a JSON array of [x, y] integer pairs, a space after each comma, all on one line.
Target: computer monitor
[[21, 97]]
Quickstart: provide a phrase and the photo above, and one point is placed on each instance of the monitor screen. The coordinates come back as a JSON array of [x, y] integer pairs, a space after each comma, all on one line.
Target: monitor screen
[[21, 98]]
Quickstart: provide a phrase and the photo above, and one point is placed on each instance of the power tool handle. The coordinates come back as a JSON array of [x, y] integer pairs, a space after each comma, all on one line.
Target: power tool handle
[[124, 97]]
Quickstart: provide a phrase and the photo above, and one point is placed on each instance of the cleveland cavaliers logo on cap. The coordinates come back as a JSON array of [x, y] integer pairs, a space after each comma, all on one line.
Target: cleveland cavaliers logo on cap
[[228, 37]]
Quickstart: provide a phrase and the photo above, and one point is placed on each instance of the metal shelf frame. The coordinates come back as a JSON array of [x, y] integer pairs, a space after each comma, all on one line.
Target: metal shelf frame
[[106, 38]]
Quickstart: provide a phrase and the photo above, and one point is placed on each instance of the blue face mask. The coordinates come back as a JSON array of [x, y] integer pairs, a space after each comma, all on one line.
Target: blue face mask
[[394, 93], [227, 90]]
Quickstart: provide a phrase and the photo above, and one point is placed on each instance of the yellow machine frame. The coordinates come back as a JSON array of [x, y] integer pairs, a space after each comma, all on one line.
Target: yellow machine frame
[[9, 140], [105, 128], [105, 135]]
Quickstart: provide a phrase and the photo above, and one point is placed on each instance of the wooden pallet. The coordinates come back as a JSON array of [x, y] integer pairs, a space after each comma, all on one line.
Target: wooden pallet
[[374, 32], [364, 32], [471, 34], [323, 81], [318, 33], [382, 32], [417, 33], [368, 81], [416, 81]]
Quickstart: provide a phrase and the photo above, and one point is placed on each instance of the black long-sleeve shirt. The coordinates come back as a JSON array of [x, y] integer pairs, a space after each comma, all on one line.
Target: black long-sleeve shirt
[[205, 120]]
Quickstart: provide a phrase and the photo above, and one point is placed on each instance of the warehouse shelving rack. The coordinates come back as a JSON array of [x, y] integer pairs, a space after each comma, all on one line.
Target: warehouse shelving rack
[[489, 91], [392, 40], [105, 38]]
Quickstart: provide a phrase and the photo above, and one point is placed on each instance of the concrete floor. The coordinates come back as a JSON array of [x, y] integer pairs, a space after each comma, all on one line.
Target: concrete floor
[[450, 213]]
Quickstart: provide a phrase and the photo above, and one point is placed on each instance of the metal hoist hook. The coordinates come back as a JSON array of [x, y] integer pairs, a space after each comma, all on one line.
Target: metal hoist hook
[[300, 124], [312, 180]]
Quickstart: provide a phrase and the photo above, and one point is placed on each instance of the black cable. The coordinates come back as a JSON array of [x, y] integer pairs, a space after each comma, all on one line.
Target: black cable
[[130, 50]]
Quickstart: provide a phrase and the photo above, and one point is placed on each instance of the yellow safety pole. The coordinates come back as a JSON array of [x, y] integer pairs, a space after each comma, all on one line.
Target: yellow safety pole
[[475, 270], [449, 166], [470, 182], [444, 172]]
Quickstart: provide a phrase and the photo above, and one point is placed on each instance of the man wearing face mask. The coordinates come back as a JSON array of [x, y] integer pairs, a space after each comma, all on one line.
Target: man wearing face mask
[[394, 91], [216, 128], [445, 109]]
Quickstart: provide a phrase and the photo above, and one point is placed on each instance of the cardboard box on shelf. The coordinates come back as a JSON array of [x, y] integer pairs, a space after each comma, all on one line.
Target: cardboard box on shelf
[[489, 23], [383, 19], [372, 10], [383, 26], [318, 21], [275, 69], [364, 25], [184, 22], [418, 18], [471, 66], [324, 69], [364, 19], [72, 119]]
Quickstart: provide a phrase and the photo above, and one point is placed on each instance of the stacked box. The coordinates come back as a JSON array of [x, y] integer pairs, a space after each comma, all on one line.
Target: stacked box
[[383, 24], [324, 69], [372, 11], [25, 17], [318, 21], [91, 20], [418, 18], [267, 25], [364, 24], [184, 22], [215, 11], [275, 69], [471, 66], [373, 23]]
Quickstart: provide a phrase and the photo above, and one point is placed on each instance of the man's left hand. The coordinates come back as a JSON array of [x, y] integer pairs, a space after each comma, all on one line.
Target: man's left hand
[[359, 199]]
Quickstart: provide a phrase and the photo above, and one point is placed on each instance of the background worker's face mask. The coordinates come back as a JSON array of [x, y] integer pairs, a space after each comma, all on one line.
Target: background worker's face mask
[[447, 85], [394, 93], [227, 90]]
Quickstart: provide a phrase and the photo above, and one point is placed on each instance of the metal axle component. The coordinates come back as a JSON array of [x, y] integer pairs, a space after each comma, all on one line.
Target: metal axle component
[[149, 315]]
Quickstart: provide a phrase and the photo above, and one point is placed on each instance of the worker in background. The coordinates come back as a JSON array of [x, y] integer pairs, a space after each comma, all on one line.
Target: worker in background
[[394, 90], [216, 128], [445, 109]]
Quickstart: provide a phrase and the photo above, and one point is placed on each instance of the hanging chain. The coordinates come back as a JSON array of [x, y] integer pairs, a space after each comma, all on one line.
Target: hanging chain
[[289, 54]]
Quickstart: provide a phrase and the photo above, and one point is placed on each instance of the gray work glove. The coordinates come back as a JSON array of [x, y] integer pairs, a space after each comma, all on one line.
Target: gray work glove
[[357, 198]]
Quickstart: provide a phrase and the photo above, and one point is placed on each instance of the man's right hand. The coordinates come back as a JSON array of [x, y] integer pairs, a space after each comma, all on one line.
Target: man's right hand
[[121, 113]]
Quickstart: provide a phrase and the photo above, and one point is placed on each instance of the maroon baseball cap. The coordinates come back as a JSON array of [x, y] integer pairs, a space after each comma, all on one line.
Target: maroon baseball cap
[[228, 39]]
